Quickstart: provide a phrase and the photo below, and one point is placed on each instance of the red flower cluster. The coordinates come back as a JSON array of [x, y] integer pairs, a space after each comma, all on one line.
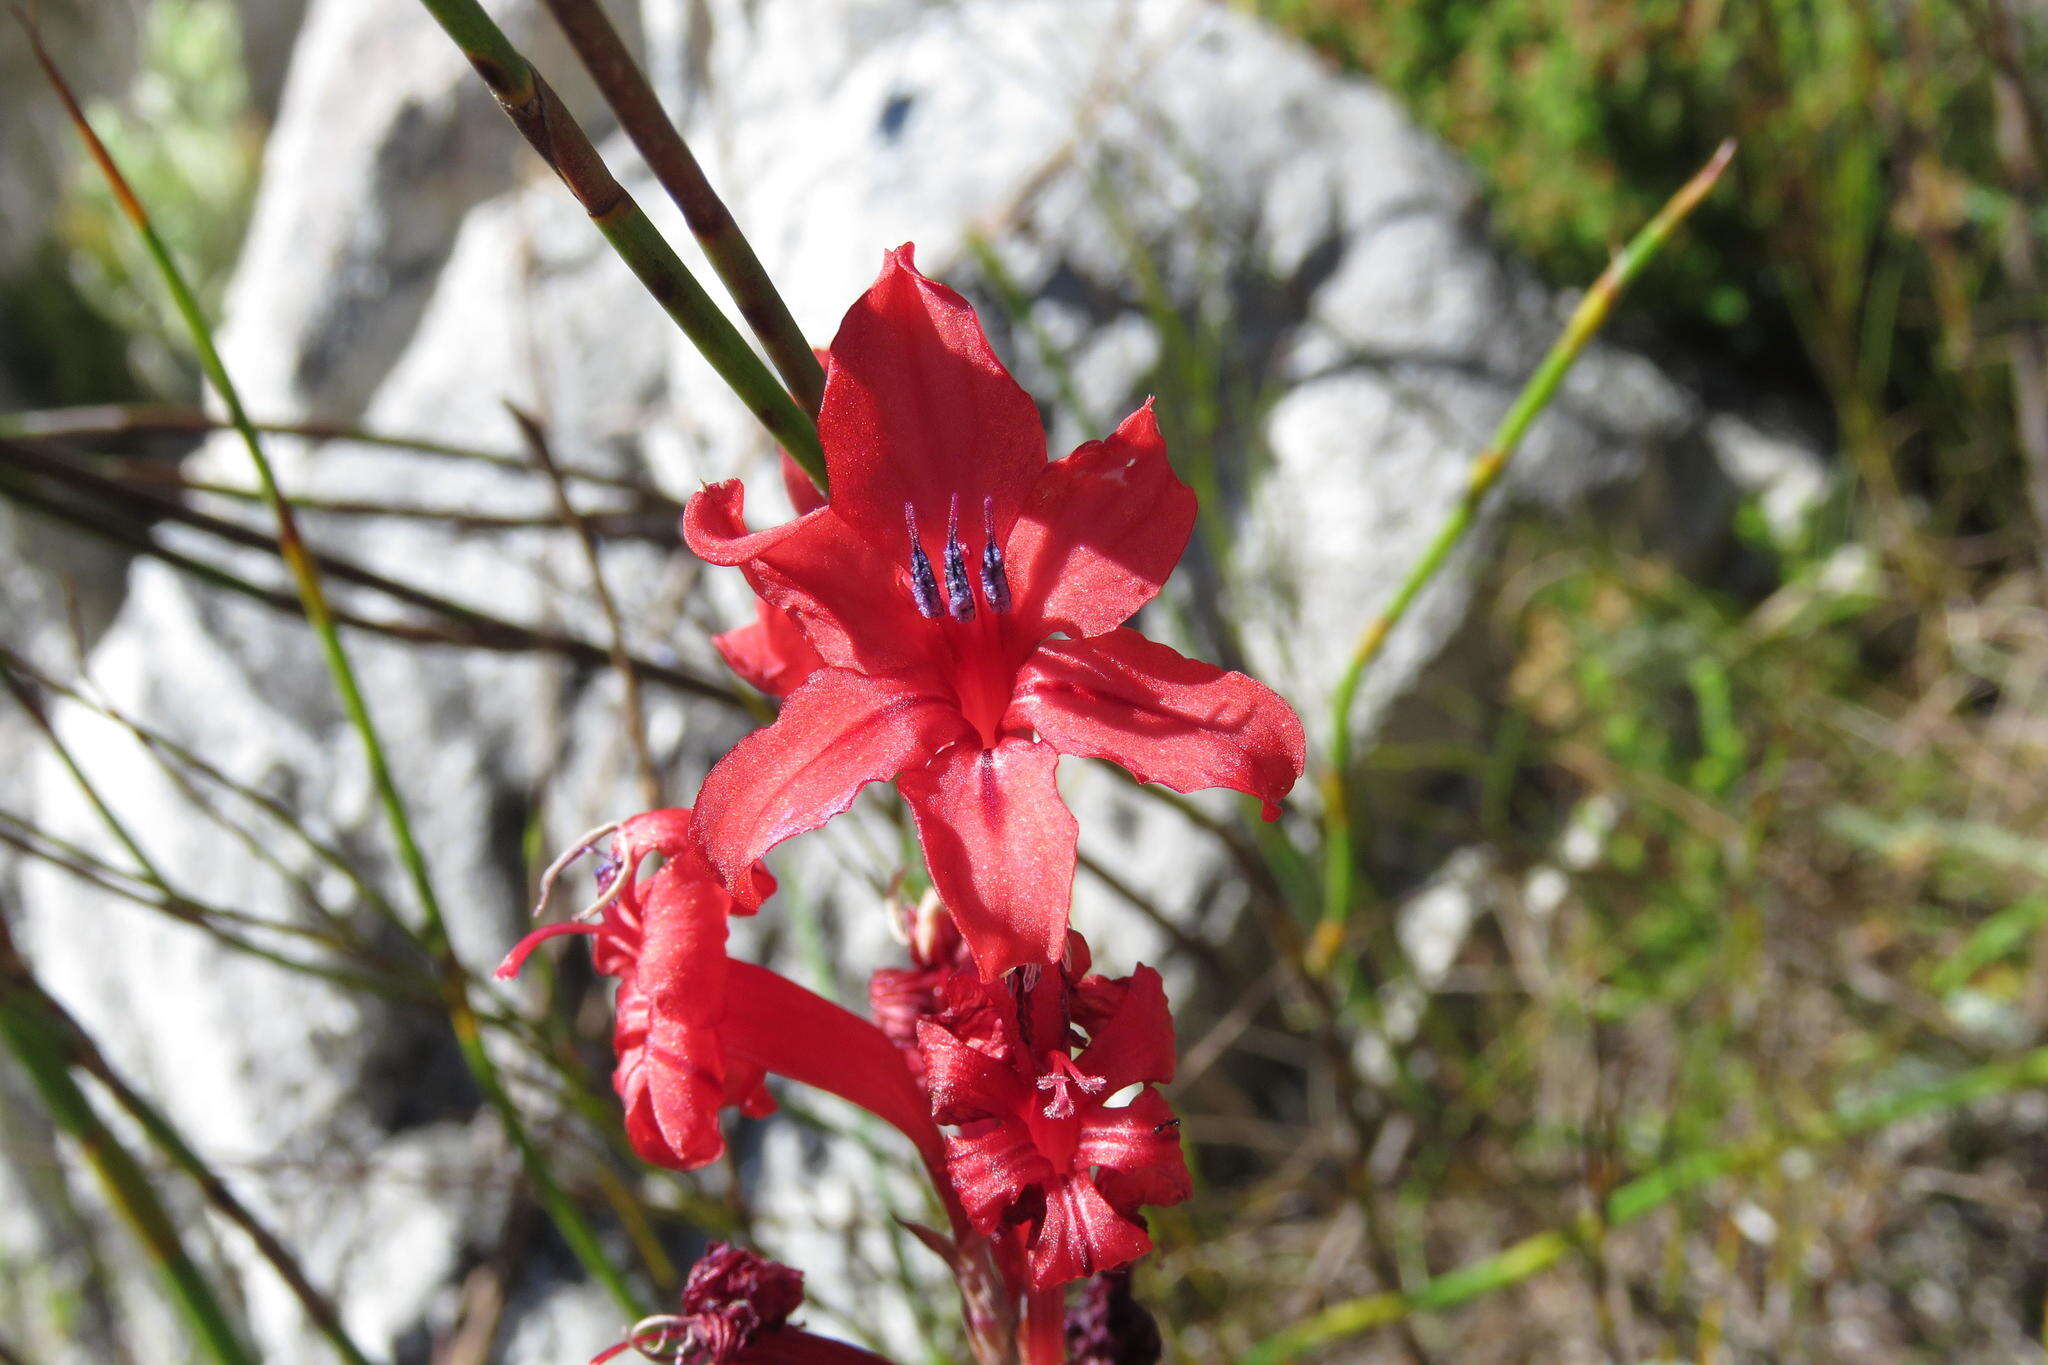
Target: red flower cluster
[[963, 667]]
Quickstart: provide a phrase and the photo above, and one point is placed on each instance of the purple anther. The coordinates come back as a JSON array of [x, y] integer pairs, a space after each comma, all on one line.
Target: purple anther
[[959, 592], [995, 584], [924, 589], [607, 868]]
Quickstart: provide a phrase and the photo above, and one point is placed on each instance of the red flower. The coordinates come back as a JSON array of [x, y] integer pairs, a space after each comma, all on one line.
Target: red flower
[[736, 1308], [967, 599], [696, 1031], [1039, 1144]]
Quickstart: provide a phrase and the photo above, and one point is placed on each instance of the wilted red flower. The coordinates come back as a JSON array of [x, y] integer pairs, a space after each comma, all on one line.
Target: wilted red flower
[[736, 1309], [1039, 1143], [694, 1030], [963, 667]]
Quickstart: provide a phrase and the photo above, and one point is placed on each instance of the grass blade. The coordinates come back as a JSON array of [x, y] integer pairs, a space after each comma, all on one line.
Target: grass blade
[[661, 145], [1486, 470], [539, 115]]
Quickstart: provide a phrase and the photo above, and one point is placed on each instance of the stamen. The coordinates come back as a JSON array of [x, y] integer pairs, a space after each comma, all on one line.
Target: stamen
[[995, 584], [583, 845], [924, 589], [959, 592]]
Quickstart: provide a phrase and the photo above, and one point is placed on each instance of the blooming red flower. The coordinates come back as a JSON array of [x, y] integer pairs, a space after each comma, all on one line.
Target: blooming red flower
[[1040, 1144], [735, 1311], [968, 599], [696, 1031]]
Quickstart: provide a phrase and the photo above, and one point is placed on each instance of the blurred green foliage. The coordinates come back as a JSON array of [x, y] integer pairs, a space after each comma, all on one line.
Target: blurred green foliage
[[185, 136], [1853, 259]]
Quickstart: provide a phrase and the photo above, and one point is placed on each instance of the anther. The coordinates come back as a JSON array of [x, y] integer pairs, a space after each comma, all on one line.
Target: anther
[[959, 592], [995, 584], [924, 589]]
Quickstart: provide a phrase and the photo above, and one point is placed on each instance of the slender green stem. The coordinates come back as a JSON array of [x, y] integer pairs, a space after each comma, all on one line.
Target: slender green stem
[[1642, 1195], [42, 1049], [1338, 857], [432, 933], [661, 144], [542, 119], [87, 1057]]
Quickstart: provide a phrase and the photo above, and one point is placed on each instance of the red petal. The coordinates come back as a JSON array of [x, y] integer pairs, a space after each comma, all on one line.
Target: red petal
[[1000, 845], [918, 410], [837, 733], [681, 978], [776, 1024], [1135, 1043], [850, 597], [772, 654], [1081, 1235], [965, 1083], [1100, 533], [1140, 1144], [523, 949], [991, 1165], [1165, 717]]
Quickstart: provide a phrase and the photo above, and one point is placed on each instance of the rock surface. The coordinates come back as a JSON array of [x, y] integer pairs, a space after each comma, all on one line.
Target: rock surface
[[1187, 204]]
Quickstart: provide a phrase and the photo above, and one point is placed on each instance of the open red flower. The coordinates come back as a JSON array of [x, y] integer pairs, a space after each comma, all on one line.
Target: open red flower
[[1040, 1144], [696, 1031], [968, 599]]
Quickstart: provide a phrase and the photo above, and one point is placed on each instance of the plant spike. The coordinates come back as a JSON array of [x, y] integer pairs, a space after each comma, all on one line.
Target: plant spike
[[542, 119], [1485, 471], [432, 934], [624, 87]]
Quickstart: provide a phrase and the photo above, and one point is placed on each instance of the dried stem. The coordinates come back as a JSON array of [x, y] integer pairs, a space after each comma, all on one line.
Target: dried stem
[[622, 660], [470, 626]]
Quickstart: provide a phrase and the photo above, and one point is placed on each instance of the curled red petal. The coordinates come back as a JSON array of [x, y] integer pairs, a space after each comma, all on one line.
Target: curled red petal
[[849, 595], [1100, 533], [1081, 1234], [1135, 1042], [918, 410], [1000, 844], [1139, 1145], [771, 654], [837, 733], [523, 949], [1161, 715]]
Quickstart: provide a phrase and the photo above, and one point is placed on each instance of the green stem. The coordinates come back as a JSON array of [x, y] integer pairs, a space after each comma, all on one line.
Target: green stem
[[541, 118], [40, 1046], [432, 933], [661, 144], [1639, 1197], [1486, 470]]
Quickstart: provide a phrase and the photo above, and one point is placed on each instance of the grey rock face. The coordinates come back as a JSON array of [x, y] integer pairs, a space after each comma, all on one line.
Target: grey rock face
[[1188, 204]]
